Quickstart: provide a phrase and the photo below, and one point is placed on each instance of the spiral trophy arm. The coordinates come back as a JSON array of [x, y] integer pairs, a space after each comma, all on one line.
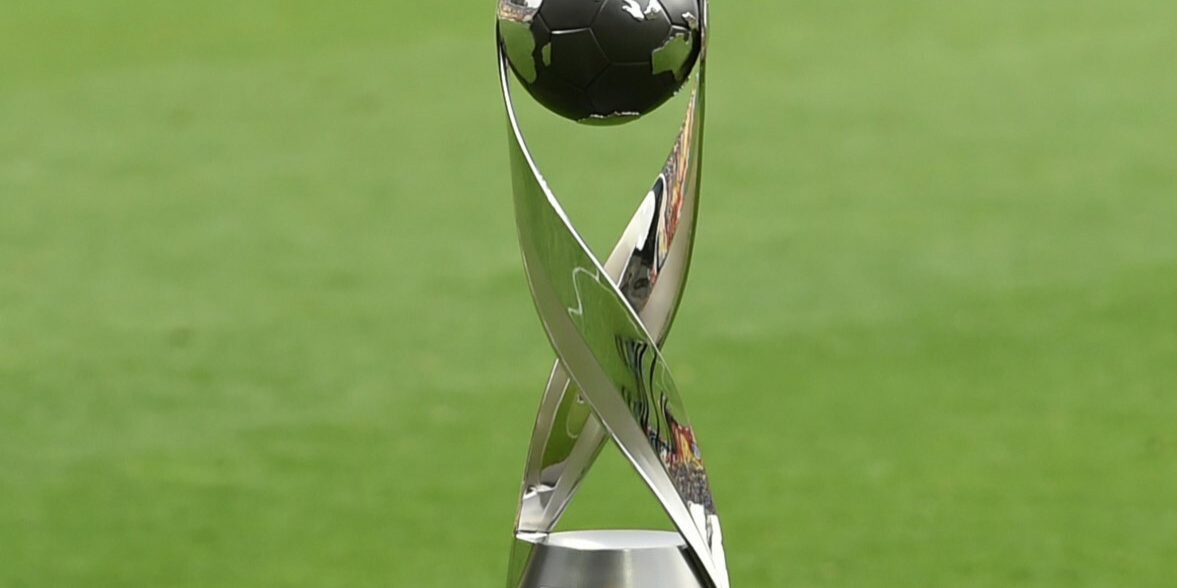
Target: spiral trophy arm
[[606, 322], [649, 264]]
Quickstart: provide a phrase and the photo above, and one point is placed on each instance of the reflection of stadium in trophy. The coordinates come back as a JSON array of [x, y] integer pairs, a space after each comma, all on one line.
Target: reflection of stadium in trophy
[[675, 175], [520, 11], [691, 480], [673, 440], [667, 195]]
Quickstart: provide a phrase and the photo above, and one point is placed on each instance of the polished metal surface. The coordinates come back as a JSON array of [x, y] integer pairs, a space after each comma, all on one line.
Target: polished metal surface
[[607, 559], [606, 322]]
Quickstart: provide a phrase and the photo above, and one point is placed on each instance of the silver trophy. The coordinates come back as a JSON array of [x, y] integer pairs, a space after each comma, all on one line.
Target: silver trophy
[[609, 62]]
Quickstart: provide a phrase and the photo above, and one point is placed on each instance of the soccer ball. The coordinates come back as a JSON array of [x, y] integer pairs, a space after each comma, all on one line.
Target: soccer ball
[[601, 61]]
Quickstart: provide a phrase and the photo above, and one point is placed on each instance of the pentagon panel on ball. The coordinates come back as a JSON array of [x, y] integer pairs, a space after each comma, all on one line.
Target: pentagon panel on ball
[[601, 61]]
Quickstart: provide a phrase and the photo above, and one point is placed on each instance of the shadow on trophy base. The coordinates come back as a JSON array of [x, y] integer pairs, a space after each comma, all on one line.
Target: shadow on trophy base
[[603, 559]]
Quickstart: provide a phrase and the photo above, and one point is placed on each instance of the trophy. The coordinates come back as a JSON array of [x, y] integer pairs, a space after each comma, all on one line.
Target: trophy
[[604, 62]]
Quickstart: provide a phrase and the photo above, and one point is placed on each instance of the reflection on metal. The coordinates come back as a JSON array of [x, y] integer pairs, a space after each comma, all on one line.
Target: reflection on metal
[[634, 9], [612, 119], [515, 36], [674, 55], [606, 323], [519, 43], [520, 11]]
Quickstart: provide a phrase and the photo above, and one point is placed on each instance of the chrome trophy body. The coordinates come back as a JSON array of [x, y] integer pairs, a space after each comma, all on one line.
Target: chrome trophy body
[[606, 322]]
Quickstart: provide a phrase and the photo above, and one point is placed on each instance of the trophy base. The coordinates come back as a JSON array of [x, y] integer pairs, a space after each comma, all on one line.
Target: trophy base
[[603, 559]]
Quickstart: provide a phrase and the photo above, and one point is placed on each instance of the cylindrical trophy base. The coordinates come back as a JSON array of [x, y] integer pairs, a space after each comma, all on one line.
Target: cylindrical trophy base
[[604, 559]]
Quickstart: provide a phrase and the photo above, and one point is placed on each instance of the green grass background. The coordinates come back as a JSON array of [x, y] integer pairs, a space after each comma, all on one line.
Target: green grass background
[[263, 320]]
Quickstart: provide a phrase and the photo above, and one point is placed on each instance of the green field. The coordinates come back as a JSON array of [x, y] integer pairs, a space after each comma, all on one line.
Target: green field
[[263, 321]]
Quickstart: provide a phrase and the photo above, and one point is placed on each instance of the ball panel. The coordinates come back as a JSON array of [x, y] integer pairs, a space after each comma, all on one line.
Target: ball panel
[[630, 30], [631, 89], [540, 30], [576, 57], [561, 97], [684, 13], [569, 14]]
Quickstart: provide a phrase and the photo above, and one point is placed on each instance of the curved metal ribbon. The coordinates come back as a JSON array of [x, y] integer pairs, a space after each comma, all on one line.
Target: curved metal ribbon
[[606, 323]]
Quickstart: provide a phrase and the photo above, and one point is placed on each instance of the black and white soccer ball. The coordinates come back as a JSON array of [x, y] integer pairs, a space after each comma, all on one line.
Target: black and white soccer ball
[[601, 61]]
